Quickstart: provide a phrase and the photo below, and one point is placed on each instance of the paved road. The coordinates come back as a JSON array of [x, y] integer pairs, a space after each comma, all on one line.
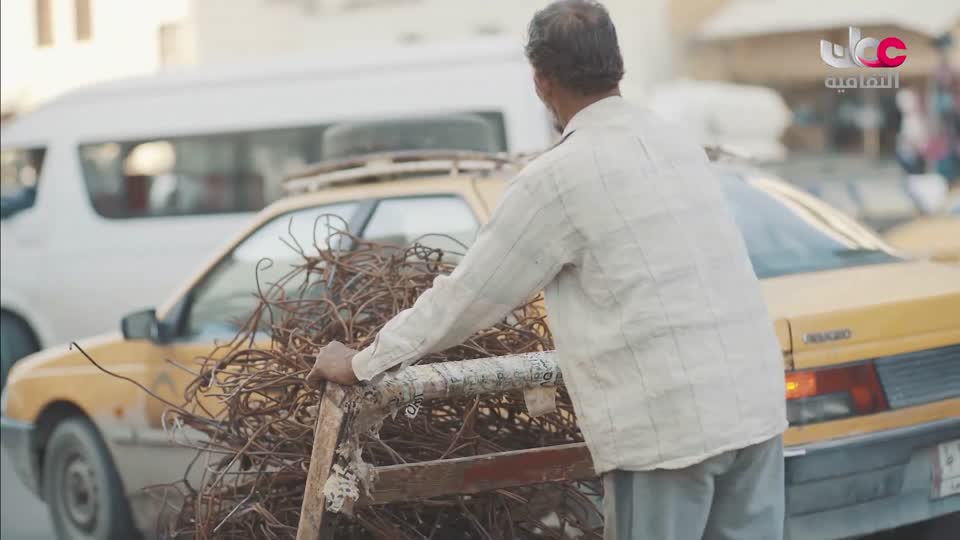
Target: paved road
[[23, 516]]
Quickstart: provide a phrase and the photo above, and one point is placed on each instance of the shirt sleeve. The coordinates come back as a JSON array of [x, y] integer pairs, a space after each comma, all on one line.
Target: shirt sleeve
[[522, 248]]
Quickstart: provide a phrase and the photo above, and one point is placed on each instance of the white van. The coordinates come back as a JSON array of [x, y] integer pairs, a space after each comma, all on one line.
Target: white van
[[113, 192]]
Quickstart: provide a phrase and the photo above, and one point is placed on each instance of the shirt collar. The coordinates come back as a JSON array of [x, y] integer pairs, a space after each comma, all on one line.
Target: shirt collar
[[597, 113]]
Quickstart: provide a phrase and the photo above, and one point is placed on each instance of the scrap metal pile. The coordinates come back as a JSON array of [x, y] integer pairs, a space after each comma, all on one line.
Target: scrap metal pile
[[252, 403]]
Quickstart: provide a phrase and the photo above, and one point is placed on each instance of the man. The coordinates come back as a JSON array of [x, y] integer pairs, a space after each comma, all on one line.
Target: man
[[663, 336]]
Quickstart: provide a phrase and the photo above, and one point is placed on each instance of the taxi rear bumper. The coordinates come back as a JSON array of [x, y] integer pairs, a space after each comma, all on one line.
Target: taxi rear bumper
[[867, 483]]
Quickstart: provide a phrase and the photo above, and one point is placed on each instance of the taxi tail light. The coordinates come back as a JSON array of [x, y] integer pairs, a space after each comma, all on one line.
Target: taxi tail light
[[830, 394]]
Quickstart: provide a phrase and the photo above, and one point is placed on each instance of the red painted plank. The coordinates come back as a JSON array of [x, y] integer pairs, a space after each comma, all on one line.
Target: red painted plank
[[482, 473]]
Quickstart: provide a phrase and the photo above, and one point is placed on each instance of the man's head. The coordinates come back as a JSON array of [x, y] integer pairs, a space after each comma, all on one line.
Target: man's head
[[572, 46]]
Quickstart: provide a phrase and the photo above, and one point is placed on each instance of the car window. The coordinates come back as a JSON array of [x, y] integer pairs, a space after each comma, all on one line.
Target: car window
[[787, 232], [883, 197], [227, 296], [443, 222], [19, 173]]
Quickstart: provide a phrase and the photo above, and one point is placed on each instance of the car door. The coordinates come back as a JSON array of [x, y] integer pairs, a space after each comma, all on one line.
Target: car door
[[208, 314], [214, 310], [211, 312]]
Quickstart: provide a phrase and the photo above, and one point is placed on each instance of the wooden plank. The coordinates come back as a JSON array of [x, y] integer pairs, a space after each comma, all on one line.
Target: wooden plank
[[325, 438], [481, 473]]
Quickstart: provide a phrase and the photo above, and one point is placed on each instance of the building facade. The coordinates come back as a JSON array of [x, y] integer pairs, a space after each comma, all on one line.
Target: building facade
[[48, 47], [776, 44], [51, 46], [235, 29]]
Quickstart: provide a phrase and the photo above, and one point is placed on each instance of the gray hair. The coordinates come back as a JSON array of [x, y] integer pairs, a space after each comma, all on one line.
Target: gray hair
[[574, 43]]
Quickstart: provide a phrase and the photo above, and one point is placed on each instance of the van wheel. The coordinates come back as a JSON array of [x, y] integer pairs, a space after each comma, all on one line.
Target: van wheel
[[16, 341], [81, 486]]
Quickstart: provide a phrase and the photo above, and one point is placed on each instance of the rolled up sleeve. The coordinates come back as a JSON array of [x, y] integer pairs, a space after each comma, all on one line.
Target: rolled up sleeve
[[522, 248]]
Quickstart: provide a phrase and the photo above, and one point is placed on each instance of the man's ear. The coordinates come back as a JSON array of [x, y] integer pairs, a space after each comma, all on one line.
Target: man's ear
[[544, 85]]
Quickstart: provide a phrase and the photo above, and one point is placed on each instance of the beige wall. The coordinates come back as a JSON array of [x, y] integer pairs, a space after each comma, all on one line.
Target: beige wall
[[686, 15]]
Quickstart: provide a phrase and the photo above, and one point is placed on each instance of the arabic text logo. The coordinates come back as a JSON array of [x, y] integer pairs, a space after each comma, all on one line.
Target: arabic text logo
[[890, 52]]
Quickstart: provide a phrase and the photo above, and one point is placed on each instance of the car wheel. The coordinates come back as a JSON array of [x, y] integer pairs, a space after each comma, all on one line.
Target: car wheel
[[16, 341], [81, 486]]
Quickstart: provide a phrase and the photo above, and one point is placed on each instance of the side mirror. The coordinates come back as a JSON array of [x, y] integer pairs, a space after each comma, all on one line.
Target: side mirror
[[141, 325]]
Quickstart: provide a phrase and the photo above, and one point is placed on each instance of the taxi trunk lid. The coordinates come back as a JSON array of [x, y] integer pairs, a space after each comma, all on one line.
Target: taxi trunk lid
[[904, 317], [867, 312]]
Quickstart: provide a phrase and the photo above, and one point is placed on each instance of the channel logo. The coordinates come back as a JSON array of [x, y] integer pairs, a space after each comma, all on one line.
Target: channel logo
[[889, 52]]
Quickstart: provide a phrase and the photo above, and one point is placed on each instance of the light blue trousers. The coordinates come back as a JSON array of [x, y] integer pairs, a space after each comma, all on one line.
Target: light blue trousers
[[737, 495]]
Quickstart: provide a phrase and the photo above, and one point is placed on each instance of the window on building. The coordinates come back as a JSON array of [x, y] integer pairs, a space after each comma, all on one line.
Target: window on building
[[44, 13], [83, 20], [168, 38], [442, 222], [225, 299]]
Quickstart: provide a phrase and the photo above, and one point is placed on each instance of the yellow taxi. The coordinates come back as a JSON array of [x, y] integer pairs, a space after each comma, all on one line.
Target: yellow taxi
[[936, 235], [870, 340]]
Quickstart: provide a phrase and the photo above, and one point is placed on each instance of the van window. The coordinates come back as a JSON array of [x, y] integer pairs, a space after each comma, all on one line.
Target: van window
[[208, 174], [205, 174], [19, 168], [19, 173], [500, 128]]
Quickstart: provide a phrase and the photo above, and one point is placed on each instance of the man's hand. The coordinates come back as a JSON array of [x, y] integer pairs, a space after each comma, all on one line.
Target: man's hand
[[334, 364]]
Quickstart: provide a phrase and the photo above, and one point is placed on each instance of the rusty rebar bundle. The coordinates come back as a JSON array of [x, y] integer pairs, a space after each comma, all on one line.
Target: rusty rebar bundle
[[257, 415]]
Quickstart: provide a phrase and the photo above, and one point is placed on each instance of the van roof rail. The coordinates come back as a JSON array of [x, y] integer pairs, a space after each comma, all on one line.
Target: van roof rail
[[378, 166]]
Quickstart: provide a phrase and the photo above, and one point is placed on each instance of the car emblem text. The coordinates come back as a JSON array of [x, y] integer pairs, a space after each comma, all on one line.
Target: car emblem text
[[829, 335]]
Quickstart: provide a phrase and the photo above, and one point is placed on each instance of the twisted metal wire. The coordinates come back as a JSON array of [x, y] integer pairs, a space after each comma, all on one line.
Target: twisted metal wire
[[250, 401]]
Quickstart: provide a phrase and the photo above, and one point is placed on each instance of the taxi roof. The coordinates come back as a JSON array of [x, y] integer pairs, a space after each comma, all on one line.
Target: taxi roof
[[385, 166]]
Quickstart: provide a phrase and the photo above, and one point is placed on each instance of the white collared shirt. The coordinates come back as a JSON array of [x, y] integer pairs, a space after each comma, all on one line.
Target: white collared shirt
[[663, 336]]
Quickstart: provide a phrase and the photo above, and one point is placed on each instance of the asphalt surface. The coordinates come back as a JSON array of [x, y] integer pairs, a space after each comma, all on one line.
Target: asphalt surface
[[22, 516]]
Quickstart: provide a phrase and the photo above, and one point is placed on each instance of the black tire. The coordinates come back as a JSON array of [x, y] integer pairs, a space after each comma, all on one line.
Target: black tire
[[16, 341], [81, 486]]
